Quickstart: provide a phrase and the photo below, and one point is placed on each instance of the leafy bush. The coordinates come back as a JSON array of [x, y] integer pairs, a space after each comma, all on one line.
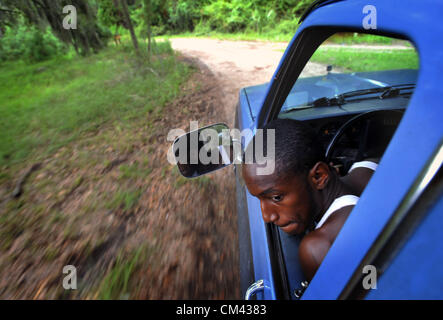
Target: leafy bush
[[184, 15], [234, 15], [42, 46], [181, 17], [207, 16], [202, 29], [30, 44], [301, 6], [227, 16], [287, 26]]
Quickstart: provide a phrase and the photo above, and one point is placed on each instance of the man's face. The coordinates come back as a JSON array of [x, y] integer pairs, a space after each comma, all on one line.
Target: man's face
[[288, 203]]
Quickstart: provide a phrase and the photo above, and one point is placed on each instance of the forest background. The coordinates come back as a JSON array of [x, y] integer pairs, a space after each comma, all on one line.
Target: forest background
[[32, 30]]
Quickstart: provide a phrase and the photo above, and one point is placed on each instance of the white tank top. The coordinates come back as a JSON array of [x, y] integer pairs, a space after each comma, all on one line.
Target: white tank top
[[341, 202], [346, 200], [364, 164]]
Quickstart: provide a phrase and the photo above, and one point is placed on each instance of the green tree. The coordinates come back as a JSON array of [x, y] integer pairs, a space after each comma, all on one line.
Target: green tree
[[42, 13], [128, 23], [148, 14], [115, 13]]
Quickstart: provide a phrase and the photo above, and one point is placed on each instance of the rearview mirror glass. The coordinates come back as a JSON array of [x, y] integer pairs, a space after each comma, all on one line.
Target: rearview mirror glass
[[204, 150]]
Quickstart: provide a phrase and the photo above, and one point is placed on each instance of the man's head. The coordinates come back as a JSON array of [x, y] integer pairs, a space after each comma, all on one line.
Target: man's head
[[289, 197]]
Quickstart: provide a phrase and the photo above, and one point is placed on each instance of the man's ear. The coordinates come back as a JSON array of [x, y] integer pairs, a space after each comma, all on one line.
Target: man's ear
[[319, 175]]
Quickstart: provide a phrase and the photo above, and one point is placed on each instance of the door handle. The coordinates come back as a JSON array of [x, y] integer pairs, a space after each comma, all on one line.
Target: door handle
[[254, 288]]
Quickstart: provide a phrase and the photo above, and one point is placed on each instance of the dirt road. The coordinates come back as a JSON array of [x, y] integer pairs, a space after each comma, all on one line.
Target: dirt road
[[235, 64], [112, 206], [238, 64]]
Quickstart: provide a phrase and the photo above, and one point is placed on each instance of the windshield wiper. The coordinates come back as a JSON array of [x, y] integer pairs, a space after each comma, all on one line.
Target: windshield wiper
[[338, 100]]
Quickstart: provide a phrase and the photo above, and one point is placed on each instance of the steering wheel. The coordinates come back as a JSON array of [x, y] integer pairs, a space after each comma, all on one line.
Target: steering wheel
[[375, 130]]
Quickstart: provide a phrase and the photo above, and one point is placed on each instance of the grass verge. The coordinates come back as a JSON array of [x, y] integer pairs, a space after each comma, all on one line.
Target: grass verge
[[116, 283], [284, 31], [45, 106], [355, 38], [361, 60], [240, 36]]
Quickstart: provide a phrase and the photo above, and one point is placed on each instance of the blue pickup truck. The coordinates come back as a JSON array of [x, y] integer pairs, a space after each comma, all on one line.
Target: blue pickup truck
[[394, 114]]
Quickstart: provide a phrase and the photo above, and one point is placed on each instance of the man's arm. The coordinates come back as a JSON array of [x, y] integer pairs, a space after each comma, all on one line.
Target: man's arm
[[359, 177], [312, 251]]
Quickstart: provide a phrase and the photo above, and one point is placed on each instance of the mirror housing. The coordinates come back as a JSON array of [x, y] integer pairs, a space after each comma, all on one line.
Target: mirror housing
[[204, 150]]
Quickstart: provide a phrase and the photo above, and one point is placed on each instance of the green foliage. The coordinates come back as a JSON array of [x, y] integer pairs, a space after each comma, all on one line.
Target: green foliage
[[300, 5], [241, 15], [361, 60], [182, 15], [116, 283], [124, 200], [165, 17], [133, 171], [282, 30], [41, 46], [356, 38], [87, 36], [48, 104], [108, 13], [226, 16], [30, 44]]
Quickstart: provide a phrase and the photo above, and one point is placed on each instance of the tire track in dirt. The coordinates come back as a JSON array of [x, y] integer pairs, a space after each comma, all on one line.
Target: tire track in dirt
[[238, 64], [235, 64]]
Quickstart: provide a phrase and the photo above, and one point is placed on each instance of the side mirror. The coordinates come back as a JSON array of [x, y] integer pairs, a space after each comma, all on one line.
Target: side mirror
[[204, 150]]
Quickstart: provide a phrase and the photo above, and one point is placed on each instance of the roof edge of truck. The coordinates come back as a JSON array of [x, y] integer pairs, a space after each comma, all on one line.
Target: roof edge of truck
[[314, 6]]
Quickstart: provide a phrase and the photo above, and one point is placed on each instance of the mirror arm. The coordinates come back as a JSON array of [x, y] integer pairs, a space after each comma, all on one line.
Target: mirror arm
[[240, 156]]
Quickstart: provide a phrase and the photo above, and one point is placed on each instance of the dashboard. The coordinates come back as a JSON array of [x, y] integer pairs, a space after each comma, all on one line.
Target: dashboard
[[359, 136]]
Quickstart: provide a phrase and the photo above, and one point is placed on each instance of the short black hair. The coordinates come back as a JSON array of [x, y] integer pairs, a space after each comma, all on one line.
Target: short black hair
[[297, 148]]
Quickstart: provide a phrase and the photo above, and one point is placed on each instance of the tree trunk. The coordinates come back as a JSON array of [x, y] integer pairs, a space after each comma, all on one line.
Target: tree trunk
[[149, 40], [148, 19], [128, 21], [43, 12]]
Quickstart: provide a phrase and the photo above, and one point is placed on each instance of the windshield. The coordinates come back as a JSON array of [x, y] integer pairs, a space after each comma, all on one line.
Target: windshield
[[349, 62]]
